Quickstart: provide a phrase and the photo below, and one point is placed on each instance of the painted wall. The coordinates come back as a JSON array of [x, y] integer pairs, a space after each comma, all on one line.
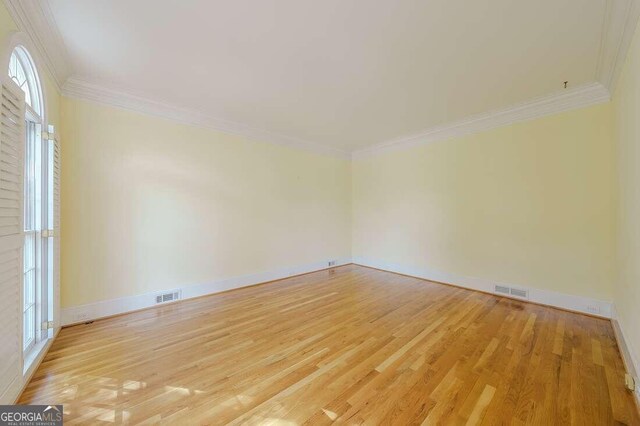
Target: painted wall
[[149, 204], [528, 204], [626, 102]]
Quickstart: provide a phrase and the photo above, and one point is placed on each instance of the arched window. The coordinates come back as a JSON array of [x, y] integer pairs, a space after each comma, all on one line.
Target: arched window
[[23, 72]]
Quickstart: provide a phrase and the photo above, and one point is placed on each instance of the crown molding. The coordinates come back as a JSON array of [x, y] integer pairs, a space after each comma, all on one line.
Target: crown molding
[[618, 28], [91, 91], [579, 97], [36, 20]]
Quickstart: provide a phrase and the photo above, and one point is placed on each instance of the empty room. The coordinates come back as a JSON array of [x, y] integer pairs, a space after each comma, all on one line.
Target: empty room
[[297, 212]]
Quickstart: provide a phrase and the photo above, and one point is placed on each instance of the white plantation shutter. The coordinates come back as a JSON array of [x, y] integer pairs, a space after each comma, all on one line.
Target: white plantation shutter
[[11, 235]]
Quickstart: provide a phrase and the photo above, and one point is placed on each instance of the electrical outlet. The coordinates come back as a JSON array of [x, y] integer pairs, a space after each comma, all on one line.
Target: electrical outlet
[[593, 309]]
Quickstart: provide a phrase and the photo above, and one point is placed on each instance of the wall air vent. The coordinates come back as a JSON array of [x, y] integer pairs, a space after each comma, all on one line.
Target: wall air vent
[[523, 294], [502, 289], [512, 292], [168, 297]]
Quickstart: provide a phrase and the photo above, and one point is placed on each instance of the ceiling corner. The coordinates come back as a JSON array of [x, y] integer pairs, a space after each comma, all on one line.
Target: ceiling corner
[[36, 20], [621, 18]]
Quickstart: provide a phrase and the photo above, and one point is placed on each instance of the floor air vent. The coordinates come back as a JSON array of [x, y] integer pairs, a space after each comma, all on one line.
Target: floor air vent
[[168, 297], [513, 292]]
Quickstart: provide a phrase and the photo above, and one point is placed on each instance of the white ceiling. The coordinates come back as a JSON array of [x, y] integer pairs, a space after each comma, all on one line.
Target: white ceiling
[[344, 74]]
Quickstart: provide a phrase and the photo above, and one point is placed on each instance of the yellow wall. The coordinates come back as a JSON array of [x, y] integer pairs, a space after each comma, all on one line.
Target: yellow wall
[[149, 204], [627, 136], [7, 26], [528, 204]]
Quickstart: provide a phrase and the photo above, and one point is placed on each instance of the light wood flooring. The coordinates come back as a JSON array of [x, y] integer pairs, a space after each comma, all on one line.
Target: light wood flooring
[[351, 345]]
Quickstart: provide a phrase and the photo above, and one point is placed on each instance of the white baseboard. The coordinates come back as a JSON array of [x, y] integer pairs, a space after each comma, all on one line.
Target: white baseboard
[[105, 308], [570, 302], [92, 311], [629, 356]]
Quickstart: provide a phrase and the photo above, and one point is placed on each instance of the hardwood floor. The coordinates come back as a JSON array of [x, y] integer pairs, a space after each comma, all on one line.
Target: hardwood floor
[[352, 345]]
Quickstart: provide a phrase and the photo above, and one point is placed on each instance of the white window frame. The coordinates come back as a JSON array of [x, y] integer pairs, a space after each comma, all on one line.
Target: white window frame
[[32, 314], [37, 160]]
